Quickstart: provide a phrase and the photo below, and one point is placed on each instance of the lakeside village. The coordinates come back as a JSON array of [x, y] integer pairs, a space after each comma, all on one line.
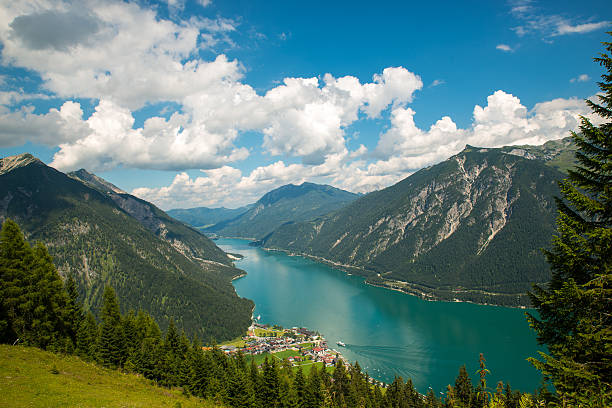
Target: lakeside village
[[298, 346]]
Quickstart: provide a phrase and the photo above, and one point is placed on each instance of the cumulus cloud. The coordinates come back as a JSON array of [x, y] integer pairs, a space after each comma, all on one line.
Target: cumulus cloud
[[401, 150], [128, 57], [54, 29], [580, 78], [56, 126], [112, 50], [503, 121], [504, 47], [108, 139]]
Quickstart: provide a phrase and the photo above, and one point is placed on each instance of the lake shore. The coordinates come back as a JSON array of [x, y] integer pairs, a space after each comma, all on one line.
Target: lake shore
[[434, 295]]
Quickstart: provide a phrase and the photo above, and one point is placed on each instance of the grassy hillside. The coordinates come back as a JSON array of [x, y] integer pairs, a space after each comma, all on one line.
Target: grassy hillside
[[35, 378]]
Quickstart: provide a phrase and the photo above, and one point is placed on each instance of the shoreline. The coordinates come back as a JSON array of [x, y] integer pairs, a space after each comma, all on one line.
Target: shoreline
[[242, 275], [410, 290]]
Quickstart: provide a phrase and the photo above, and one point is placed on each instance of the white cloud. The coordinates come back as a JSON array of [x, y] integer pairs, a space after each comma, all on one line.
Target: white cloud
[[127, 57], [533, 21], [204, 3], [437, 82], [56, 126], [401, 150], [13, 97], [564, 28], [504, 47], [580, 78], [108, 140], [112, 50]]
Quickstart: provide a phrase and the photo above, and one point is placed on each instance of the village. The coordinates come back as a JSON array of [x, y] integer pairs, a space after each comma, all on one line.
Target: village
[[297, 345]]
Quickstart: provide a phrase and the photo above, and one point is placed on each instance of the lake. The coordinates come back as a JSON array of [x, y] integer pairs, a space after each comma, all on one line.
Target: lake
[[387, 332]]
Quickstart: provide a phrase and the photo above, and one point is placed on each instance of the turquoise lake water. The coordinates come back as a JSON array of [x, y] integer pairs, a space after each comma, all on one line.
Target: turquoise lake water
[[387, 332]]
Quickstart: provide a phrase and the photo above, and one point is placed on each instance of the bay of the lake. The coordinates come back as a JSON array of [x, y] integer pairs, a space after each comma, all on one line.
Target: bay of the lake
[[387, 332]]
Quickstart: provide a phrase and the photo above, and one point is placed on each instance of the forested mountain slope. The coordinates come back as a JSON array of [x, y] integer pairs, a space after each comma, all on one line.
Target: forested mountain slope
[[289, 203], [106, 237], [469, 228], [183, 238]]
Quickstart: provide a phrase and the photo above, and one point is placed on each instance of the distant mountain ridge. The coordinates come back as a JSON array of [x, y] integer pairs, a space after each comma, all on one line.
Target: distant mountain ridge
[[105, 236], [286, 204], [469, 228], [204, 217]]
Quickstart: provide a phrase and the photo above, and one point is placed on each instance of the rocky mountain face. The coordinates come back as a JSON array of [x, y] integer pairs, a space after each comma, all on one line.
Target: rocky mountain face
[[289, 203], [105, 236], [469, 228]]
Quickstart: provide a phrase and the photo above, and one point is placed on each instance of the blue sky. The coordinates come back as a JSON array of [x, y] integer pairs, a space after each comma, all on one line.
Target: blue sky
[[213, 103]]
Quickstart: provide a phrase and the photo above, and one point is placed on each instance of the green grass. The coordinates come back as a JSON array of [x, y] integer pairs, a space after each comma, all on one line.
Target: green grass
[[237, 342], [306, 365], [281, 355], [34, 378], [259, 332]]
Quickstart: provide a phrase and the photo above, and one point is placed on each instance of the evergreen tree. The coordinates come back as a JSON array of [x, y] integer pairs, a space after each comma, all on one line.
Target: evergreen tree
[[15, 259], [74, 309], [574, 308], [240, 390], [87, 335], [111, 344], [270, 385], [45, 306], [299, 386], [463, 388], [340, 384], [33, 302]]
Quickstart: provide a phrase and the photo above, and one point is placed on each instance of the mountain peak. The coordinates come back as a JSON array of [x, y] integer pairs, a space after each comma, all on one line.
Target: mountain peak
[[96, 182], [11, 163]]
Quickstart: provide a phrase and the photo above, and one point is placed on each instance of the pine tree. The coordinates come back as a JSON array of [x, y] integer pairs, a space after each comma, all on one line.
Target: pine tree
[[270, 384], [33, 302], [574, 309], [299, 385], [240, 390], [111, 345], [74, 309], [15, 258], [87, 335], [463, 387], [45, 305]]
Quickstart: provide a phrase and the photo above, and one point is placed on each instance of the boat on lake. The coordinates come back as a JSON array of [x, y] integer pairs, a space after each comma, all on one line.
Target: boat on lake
[[341, 344]]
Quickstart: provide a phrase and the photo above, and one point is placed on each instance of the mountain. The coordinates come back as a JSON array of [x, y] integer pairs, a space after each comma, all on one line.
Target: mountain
[[105, 236], [469, 228], [184, 239], [203, 217], [289, 203], [559, 154]]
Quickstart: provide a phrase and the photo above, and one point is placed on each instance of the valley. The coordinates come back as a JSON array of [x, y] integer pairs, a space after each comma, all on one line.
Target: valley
[[387, 332]]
